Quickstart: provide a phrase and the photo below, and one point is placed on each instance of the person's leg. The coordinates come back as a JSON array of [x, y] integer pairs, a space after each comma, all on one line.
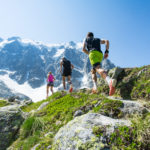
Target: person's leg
[[95, 60], [52, 89], [70, 83], [94, 78], [111, 82], [101, 72], [47, 91], [64, 85]]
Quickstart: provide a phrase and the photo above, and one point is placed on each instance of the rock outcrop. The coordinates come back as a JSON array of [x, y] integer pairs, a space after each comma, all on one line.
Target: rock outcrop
[[10, 121], [78, 133]]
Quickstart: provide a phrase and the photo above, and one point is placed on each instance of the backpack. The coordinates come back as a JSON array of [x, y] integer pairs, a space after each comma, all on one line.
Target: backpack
[[66, 64], [93, 44]]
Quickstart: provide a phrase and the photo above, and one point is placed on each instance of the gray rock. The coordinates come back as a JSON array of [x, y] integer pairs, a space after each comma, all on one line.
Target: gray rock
[[11, 99], [42, 106], [48, 134], [34, 148], [78, 113], [115, 72], [79, 132], [10, 122], [131, 107], [142, 71], [97, 104], [27, 102], [49, 147]]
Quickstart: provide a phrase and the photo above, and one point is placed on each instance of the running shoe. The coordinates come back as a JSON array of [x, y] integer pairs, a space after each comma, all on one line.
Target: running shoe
[[112, 87], [94, 91], [71, 89]]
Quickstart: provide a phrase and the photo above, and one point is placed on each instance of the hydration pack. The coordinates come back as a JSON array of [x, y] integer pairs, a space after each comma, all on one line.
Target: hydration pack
[[93, 44], [66, 64]]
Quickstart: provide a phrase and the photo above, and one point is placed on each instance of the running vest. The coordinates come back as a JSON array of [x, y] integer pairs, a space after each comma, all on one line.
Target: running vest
[[66, 64], [93, 44]]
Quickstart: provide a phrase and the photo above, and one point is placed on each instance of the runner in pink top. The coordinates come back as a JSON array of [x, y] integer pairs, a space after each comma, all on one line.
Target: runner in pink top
[[50, 83], [50, 78]]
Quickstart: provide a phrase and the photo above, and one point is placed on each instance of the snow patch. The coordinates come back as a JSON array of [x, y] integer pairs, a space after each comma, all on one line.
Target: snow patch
[[7, 71], [59, 52], [42, 57], [79, 45], [3, 43], [36, 94]]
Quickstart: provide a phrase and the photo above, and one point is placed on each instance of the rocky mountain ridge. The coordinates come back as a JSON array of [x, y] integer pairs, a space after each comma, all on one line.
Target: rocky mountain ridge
[[28, 62]]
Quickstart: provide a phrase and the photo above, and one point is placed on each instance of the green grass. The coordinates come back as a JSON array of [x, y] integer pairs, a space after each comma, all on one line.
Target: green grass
[[110, 108], [34, 106], [57, 113], [31, 126], [3, 103], [136, 137], [130, 85]]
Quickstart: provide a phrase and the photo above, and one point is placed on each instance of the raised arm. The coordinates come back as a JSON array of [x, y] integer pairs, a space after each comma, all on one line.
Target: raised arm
[[54, 78], [84, 49], [106, 42]]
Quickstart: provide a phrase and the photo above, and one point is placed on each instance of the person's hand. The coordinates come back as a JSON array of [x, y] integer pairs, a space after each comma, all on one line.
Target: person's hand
[[105, 55]]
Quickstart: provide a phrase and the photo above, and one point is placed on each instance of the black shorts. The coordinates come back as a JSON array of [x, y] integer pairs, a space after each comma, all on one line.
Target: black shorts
[[50, 84], [66, 73], [96, 64]]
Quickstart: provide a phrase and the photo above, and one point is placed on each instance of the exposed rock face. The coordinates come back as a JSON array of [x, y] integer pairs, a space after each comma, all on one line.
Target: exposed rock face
[[31, 61], [10, 121], [79, 132], [5, 92], [42, 106]]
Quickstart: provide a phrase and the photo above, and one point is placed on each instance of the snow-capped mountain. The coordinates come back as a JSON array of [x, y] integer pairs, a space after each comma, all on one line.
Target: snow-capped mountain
[[26, 62]]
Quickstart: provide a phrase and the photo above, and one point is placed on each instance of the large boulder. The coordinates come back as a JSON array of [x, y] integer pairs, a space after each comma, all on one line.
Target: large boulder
[[78, 133], [10, 121]]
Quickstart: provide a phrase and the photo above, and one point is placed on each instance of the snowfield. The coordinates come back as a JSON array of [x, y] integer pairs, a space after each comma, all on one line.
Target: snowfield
[[36, 94]]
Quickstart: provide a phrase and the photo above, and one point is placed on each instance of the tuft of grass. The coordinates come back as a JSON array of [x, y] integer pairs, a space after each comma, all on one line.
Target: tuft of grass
[[136, 137], [31, 126], [110, 108], [3, 103], [99, 130]]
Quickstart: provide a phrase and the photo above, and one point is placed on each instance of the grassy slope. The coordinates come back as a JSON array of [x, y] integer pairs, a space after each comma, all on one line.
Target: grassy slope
[[3, 103], [131, 85], [62, 106], [57, 113]]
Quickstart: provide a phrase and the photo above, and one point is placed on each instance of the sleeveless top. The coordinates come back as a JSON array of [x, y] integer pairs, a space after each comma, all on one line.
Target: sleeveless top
[[50, 78], [93, 44]]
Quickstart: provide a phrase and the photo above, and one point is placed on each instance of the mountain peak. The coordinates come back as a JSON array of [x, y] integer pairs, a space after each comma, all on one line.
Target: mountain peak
[[14, 38]]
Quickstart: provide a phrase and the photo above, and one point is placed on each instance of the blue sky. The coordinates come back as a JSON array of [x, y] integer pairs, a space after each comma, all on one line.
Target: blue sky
[[125, 23]]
